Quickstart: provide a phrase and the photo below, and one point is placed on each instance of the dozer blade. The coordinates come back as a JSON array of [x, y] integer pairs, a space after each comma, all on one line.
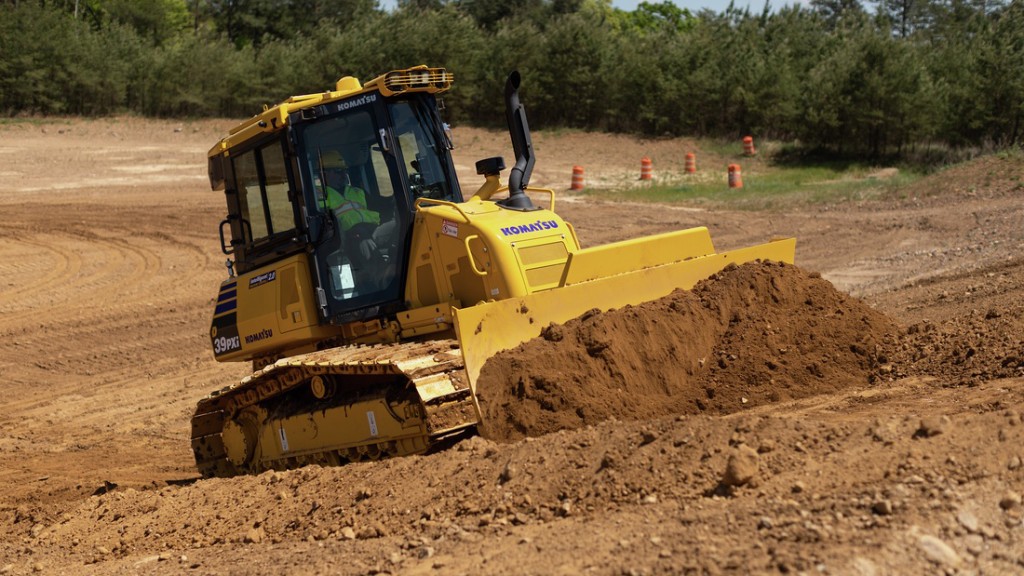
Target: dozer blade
[[604, 277]]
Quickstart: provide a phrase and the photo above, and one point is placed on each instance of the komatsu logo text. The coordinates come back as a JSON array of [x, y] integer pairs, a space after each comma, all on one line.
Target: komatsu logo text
[[261, 335], [367, 99], [527, 228]]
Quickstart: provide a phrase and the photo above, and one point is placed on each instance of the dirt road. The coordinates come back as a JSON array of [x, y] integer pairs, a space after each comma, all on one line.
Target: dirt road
[[873, 428]]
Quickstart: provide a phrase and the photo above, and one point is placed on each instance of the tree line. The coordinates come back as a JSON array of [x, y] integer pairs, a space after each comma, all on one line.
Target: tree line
[[836, 75]]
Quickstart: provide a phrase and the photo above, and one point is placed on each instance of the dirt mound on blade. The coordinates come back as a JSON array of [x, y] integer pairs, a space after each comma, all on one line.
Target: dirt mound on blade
[[752, 334]]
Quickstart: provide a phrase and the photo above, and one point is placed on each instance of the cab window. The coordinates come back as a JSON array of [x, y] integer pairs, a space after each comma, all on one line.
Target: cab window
[[420, 149], [261, 178]]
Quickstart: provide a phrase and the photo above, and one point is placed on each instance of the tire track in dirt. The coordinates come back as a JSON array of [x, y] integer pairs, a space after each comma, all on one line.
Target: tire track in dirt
[[147, 262], [72, 286], [104, 277], [67, 265]]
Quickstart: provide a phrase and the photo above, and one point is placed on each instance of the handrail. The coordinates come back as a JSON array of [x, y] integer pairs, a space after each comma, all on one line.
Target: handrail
[[549, 191], [472, 261], [418, 204], [423, 200]]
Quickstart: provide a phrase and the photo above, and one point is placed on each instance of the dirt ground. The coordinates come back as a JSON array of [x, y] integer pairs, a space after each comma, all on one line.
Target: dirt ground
[[858, 413]]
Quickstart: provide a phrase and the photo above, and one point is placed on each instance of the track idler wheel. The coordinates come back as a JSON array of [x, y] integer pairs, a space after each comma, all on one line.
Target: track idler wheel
[[322, 387], [241, 437]]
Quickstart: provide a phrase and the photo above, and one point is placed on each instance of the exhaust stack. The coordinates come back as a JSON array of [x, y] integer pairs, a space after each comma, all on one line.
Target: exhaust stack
[[522, 147]]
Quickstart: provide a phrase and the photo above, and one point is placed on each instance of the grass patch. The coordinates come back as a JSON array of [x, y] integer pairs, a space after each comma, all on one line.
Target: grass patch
[[34, 121], [769, 187]]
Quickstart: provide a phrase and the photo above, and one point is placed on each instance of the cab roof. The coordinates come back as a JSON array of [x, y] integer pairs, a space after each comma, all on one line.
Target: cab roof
[[416, 79]]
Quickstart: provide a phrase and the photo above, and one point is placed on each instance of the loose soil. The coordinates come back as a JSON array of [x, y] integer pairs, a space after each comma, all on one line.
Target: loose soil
[[751, 335], [857, 413]]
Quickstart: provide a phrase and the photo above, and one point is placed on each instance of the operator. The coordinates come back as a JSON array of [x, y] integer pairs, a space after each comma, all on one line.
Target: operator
[[345, 200], [361, 227]]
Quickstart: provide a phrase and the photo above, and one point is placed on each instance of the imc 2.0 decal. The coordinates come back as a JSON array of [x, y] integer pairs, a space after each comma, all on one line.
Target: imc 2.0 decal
[[262, 279]]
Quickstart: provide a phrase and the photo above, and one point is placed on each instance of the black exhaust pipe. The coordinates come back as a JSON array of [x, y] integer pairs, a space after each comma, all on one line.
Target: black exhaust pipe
[[522, 147]]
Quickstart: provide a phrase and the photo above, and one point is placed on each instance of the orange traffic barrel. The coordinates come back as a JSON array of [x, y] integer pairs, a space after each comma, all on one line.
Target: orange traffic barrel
[[646, 168], [691, 162], [748, 146], [577, 178], [735, 178]]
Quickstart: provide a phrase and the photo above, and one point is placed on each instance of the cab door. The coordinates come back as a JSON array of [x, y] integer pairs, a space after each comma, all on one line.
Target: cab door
[[358, 221]]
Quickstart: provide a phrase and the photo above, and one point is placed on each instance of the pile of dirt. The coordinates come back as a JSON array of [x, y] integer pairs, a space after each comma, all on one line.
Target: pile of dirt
[[758, 333], [981, 345]]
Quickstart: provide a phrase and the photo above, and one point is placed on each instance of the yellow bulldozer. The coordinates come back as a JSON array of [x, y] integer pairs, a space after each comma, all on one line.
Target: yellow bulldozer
[[368, 292]]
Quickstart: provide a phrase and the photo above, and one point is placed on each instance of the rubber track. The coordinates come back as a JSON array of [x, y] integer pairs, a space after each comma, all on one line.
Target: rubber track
[[416, 360]]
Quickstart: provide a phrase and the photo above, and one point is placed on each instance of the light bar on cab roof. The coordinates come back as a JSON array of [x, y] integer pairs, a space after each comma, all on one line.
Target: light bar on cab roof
[[419, 79]]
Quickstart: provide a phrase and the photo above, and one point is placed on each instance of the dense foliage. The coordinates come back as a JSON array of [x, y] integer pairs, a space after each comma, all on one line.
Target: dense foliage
[[834, 74]]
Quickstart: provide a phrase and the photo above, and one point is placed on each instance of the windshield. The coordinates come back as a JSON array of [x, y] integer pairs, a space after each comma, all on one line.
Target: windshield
[[363, 164], [422, 160]]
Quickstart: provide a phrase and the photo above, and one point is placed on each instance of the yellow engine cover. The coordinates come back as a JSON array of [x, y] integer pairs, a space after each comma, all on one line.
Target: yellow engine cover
[[477, 252], [271, 308]]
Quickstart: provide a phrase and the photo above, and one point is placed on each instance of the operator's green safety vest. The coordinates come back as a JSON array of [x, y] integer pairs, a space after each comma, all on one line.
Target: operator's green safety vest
[[350, 207]]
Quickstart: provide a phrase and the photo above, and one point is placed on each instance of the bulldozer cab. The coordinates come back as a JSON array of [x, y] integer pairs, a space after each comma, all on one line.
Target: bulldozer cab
[[339, 183], [362, 165]]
